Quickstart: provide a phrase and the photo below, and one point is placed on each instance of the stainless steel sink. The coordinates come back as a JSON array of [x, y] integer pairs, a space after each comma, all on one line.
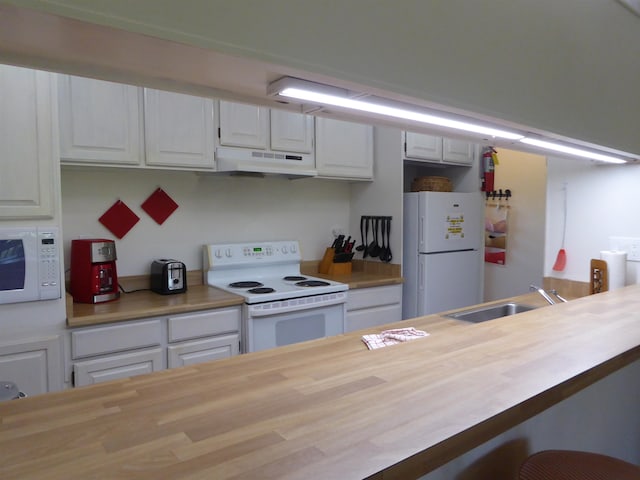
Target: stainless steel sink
[[490, 312]]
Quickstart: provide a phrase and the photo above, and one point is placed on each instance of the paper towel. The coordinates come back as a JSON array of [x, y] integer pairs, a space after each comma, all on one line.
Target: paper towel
[[616, 267]]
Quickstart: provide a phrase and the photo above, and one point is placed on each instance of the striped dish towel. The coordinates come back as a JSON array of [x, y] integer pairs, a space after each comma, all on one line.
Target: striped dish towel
[[391, 337]]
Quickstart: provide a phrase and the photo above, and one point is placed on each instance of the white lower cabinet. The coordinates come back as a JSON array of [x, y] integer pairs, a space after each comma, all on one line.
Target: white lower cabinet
[[114, 367], [198, 351], [110, 352], [203, 336], [125, 349], [34, 365], [370, 307]]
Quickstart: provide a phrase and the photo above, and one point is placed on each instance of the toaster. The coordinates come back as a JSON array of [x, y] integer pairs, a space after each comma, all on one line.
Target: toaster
[[168, 276]]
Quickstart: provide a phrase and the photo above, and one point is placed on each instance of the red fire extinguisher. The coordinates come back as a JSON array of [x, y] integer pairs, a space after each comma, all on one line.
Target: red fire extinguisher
[[488, 169]]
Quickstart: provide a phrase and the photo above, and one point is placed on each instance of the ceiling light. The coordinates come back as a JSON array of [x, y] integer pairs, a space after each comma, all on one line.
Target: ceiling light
[[326, 95], [571, 150]]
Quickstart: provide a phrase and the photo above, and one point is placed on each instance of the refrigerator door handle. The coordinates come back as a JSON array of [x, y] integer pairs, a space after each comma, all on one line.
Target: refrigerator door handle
[[421, 236]]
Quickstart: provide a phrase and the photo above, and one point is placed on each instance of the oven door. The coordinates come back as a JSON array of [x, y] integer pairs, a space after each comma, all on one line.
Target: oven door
[[275, 324]]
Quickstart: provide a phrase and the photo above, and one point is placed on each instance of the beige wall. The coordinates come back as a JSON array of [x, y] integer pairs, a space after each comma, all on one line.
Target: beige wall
[[525, 175]]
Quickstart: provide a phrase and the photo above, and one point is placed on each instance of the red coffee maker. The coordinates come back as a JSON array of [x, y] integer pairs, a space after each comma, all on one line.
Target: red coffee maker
[[93, 277]]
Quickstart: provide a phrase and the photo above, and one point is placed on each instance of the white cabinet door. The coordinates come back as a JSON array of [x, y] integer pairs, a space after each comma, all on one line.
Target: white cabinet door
[[370, 307], [344, 149], [100, 122], [179, 130], [28, 143], [205, 350], [243, 125], [457, 152], [114, 367], [291, 132], [34, 365], [421, 146]]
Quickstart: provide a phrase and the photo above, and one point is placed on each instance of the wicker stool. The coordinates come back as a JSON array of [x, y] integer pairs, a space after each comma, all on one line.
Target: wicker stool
[[570, 465]]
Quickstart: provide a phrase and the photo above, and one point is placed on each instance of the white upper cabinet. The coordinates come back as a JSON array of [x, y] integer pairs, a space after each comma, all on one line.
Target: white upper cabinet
[[243, 125], [291, 132], [421, 146], [100, 122], [344, 149], [28, 143], [457, 152], [179, 130], [435, 149], [251, 126]]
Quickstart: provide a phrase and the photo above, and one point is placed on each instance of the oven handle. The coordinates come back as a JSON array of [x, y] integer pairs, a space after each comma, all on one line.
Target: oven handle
[[296, 304]]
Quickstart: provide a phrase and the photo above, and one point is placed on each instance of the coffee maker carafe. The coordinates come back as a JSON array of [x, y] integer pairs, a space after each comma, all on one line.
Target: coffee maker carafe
[[93, 277]]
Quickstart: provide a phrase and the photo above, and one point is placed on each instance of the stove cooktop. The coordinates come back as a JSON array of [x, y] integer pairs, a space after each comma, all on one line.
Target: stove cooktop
[[278, 288], [263, 272]]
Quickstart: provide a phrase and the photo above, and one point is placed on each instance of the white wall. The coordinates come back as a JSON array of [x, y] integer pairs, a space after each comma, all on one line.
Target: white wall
[[525, 175], [211, 209], [382, 197], [602, 202]]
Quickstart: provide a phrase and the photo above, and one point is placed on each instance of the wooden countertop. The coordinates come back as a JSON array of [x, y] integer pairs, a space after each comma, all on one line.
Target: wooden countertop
[[131, 306], [327, 408], [142, 304]]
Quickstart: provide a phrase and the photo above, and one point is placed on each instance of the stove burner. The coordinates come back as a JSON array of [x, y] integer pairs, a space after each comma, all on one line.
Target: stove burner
[[262, 290], [294, 278], [312, 283], [245, 284]]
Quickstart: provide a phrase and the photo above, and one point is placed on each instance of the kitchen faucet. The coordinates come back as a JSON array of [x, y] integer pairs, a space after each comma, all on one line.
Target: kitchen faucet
[[544, 294]]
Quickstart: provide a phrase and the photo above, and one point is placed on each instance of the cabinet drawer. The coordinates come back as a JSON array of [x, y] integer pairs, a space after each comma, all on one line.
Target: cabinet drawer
[[117, 366], [374, 296], [205, 350], [115, 338], [204, 324], [372, 317]]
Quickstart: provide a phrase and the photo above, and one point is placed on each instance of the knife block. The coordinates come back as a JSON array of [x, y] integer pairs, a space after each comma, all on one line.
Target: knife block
[[328, 266]]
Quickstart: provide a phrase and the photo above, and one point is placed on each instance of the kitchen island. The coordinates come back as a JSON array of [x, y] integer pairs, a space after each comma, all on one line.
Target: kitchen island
[[328, 408]]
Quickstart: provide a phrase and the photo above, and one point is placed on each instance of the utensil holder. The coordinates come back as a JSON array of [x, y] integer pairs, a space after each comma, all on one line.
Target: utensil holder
[[340, 268], [328, 266], [327, 260]]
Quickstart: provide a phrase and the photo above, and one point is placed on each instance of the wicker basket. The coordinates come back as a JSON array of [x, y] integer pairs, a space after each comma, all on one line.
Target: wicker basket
[[431, 184]]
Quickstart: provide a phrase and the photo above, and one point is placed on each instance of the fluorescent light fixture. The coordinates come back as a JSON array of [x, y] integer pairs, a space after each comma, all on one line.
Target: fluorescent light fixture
[[326, 95], [571, 150]]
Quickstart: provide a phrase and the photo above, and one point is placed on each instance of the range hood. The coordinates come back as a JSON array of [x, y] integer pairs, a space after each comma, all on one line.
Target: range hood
[[260, 163]]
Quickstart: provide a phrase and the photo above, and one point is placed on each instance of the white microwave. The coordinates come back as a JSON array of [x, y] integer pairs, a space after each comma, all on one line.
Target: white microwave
[[29, 264]]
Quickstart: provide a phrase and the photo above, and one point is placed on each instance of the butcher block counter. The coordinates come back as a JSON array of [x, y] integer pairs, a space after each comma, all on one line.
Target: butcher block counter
[[142, 303], [329, 408]]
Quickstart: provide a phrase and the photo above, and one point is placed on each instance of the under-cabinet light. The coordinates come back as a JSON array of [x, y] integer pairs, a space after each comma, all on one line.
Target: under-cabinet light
[[315, 93], [327, 95], [571, 150]]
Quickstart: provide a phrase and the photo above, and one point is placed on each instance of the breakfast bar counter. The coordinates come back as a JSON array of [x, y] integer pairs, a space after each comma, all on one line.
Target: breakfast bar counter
[[328, 408]]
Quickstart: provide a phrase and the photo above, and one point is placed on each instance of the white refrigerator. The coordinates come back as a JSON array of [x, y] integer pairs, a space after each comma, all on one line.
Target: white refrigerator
[[442, 251]]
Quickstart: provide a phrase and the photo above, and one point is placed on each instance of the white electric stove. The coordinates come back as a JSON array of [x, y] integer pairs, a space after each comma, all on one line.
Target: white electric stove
[[282, 306]]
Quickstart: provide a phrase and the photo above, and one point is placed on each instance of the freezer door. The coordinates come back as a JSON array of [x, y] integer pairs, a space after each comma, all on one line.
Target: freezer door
[[448, 280], [449, 221]]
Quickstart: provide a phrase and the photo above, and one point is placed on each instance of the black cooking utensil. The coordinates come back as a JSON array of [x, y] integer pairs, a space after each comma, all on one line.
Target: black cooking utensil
[[361, 246], [365, 251], [389, 255], [383, 243], [374, 247]]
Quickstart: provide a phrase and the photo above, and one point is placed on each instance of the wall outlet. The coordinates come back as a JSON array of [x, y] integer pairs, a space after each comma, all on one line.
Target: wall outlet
[[631, 245], [337, 230]]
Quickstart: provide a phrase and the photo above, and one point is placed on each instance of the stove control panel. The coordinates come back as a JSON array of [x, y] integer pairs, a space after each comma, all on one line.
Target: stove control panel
[[248, 253]]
